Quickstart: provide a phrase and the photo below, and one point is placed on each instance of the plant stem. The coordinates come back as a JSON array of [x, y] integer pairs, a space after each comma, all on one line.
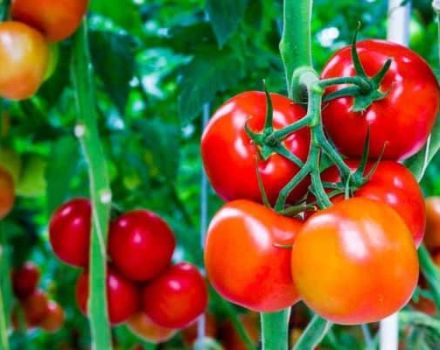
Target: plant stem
[[4, 290], [274, 326], [313, 334], [87, 132]]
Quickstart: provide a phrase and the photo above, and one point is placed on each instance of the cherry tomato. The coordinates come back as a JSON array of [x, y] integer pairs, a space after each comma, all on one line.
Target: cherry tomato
[[69, 232], [176, 298], [141, 244], [54, 318], [141, 325], [432, 232], [35, 308], [190, 334], [230, 157], [123, 296], [243, 260], [7, 193], [56, 19], [230, 338], [394, 185], [402, 121], [355, 262], [25, 280], [24, 55]]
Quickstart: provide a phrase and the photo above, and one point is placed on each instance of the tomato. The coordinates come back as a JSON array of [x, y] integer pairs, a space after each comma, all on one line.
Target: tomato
[[230, 338], [176, 298], [402, 121], [24, 55], [190, 334], [35, 308], [7, 193], [141, 244], [432, 232], [141, 325], [394, 185], [230, 157], [243, 261], [56, 19], [54, 318], [25, 280], [123, 296], [355, 262], [69, 232]]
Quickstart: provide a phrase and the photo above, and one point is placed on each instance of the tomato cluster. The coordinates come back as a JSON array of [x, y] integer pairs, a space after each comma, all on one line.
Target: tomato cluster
[[144, 289], [34, 308], [354, 261]]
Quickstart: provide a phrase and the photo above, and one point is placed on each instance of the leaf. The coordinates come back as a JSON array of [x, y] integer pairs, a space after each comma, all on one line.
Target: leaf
[[225, 15], [113, 59], [203, 78]]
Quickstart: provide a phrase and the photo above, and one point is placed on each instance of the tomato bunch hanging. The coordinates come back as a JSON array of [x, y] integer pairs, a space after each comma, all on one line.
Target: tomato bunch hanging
[[341, 239]]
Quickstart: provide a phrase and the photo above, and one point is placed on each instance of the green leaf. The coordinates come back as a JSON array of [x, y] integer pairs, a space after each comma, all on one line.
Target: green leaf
[[225, 15]]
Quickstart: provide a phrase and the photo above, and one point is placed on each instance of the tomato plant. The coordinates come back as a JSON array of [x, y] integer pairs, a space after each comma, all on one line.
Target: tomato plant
[[25, 280]]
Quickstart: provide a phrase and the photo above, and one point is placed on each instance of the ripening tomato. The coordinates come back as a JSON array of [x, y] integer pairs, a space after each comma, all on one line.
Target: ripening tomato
[[7, 193], [24, 55], [141, 244], [246, 257], [355, 262], [177, 297], [230, 157], [25, 280], [54, 318], [432, 232], [394, 185], [141, 325], [122, 294], [402, 121], [56, 19], [69, 232], [35, 308]]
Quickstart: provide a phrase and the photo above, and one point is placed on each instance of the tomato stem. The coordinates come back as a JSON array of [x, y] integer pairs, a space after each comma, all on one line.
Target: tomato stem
[[275, 326], [313, 334]]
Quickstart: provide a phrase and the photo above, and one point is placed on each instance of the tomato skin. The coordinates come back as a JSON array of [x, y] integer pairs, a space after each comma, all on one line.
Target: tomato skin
[[230, 157], [122, 294], [25, 280], [69, 232], [432, 232], [54, 318], [35, 308], [176, 298], [7, 193], [403, 119], [141, 325], [242, 262], [141, 244], [56, 19], [24, 55], [355, 262], [394, 185]]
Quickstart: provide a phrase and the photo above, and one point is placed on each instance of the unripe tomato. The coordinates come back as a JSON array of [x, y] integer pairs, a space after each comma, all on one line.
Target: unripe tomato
[[122, 296], [230, 157], [25, 280], [355, 262], [401, 121], [56, 19], [190, 334], [245, 257], [141, 244], [35, 308], [141, 325], [69, 232], [54, 318], [432, 232], [24, 54], [7, 193], [177, 297]]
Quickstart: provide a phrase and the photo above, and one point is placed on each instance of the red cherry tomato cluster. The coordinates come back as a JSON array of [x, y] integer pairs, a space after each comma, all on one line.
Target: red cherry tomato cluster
[[34, 309], [143, 288], [25, 38], [356, 261]]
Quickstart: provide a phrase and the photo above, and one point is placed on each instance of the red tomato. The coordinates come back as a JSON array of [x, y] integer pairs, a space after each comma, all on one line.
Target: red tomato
[[402, 120], [177, 297], [432, 232], [69, 232], [123, 296], [230, 338], [355, 262], [7, 191], [141, 244], [54, 318], [141, 325], [394, 185], [230, 157], [243, 261], [56, 19], [190, 334], [24, 55], [25, 280], [35, 308]]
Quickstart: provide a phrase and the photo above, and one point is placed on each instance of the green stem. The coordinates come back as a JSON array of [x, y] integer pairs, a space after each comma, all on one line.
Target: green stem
[[87, 132], [4, 291], [275, 326], [313, 334], [431, 273]]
